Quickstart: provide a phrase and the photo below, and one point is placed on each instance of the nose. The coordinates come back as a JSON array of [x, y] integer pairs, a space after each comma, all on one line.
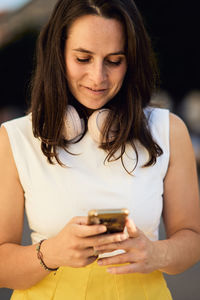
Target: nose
[[98, 73]]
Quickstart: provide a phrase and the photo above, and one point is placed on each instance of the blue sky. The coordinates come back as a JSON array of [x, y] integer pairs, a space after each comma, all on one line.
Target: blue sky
[[11, 4]]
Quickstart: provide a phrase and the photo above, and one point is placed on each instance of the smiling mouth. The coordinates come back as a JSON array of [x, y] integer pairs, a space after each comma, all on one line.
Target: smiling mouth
[[95, 90]]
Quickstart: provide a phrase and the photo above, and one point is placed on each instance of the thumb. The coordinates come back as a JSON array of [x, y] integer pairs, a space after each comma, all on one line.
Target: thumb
[[131, 228]]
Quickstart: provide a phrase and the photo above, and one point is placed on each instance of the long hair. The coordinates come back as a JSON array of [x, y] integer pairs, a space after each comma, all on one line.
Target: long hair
[[50, 94]]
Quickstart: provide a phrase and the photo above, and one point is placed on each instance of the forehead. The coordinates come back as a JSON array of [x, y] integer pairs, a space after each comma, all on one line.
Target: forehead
[[96, 33]]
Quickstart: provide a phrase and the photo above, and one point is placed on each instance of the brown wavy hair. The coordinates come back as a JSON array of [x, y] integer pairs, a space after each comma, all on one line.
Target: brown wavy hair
[[50, 94]]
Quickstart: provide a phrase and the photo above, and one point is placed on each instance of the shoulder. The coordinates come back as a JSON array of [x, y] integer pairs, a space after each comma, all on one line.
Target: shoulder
[[181, 148], [158, 124], [155, 113], [179, 133], [21, 122], [4, 140], [6, 155], [18, 129], [11, 137], [158, 119], [177, 125]]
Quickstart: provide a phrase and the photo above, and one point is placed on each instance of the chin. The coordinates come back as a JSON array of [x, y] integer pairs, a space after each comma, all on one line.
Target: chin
[[93, 107], [97, 105]]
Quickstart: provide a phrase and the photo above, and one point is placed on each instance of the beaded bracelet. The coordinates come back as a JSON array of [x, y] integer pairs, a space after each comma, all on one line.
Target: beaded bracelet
[[40, 257]]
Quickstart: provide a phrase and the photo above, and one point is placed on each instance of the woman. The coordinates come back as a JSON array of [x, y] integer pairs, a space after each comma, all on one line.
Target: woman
[[92, 141]]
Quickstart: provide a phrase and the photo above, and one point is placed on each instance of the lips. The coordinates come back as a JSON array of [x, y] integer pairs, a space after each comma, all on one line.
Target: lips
[[95, 90]]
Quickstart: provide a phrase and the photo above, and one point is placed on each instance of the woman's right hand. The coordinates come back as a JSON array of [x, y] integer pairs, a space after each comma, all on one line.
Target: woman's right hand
[[74, 245]]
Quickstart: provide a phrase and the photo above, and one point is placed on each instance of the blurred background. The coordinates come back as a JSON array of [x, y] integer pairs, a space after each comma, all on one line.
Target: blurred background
[[174, 29]]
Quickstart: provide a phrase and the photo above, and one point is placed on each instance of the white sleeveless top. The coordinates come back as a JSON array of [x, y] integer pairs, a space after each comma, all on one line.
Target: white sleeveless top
[[55, 194]]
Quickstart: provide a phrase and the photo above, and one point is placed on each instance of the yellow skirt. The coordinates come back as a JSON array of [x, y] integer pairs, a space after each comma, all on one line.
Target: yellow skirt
[[94, 283]]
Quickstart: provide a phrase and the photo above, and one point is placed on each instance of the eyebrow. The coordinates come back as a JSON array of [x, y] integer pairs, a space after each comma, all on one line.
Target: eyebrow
[[90, 52]]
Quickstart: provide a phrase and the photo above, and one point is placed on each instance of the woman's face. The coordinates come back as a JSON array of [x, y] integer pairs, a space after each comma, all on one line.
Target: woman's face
[[95, 60]]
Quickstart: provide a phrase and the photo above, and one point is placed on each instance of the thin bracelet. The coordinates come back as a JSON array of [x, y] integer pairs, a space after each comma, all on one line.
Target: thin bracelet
[[40, 257]]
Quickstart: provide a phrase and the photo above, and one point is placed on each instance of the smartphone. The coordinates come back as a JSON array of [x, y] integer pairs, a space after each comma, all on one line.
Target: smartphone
[[113, 219]]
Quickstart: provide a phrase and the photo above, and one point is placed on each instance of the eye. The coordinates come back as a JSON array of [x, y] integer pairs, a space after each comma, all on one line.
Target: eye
[[82, 60], [114, 63]]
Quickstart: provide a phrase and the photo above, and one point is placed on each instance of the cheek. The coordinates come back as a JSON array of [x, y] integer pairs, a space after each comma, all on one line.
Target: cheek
[[73, 71]]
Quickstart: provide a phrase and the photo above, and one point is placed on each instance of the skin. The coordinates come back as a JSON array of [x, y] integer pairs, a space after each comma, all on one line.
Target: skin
[[181, 215], [75, 245], [95, 60]]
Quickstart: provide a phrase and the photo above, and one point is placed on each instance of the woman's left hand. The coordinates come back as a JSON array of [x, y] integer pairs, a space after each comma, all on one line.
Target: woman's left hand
[[140, 253]]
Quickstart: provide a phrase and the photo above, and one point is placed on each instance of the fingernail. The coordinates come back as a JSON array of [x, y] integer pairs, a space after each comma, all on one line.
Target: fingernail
[[123, 237], [102, 228], [100, 263]]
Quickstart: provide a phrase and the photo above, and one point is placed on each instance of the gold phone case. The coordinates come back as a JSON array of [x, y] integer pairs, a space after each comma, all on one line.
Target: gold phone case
[[113, 219]]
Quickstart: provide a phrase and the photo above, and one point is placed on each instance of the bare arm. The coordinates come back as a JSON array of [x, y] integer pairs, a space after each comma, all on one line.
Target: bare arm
[[181, 215], [181, 203], [19, 265]]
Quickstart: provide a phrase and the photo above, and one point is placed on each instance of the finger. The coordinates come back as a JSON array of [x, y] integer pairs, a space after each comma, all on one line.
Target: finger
[[131, 228], [88, 230], [126, 269], [103, 252], [125, 244], [110, 247], [116, 259], [93, 252], [107, 239]]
